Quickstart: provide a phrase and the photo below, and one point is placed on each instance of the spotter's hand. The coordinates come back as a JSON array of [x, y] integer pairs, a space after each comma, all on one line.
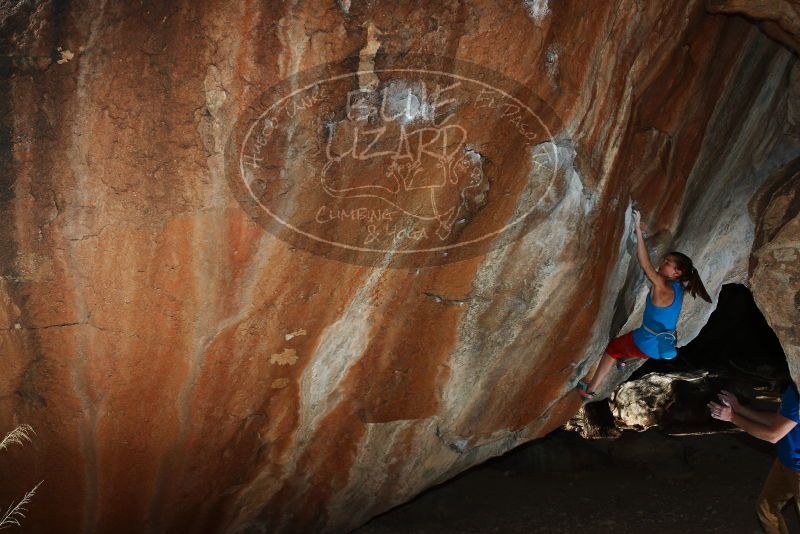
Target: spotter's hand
[[729, 399], [723, 413]]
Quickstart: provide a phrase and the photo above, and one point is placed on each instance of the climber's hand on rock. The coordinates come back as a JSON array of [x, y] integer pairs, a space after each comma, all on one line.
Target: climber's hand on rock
[[637, 221], [729, 399], [718, 411]]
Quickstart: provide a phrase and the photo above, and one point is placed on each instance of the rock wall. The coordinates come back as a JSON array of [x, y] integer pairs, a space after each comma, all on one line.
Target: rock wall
[[775, 261], [780, 19], [188, 370], [776, 206]]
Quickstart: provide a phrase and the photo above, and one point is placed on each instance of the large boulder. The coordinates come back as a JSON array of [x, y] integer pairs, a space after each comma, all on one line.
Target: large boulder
[[664, 400], [194, 359]]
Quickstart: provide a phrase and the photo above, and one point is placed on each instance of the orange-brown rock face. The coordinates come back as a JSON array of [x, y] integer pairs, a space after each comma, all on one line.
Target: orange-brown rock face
[[197, 318]]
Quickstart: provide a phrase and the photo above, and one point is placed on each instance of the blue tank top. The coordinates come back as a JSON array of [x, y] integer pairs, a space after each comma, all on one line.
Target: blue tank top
[[789, 445], [660, 341]]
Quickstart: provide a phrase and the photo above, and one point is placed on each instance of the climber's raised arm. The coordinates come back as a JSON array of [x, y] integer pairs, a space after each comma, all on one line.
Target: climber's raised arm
[[644, 258]]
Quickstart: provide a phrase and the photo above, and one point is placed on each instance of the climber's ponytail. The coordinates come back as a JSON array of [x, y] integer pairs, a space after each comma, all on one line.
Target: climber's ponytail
[[689, 275]]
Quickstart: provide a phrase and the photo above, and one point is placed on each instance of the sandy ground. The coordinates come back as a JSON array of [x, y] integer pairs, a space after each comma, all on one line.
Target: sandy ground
[[641, 483]]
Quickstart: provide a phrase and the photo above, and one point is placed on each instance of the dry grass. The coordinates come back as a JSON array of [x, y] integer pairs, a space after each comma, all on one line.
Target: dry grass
[[16, 436], [15, 513]]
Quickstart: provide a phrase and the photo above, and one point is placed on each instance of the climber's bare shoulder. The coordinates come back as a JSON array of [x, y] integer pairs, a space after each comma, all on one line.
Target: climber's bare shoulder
[[663, 294]]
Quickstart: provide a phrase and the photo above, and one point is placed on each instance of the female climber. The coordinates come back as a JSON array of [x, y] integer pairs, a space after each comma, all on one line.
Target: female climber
[[657, 336]]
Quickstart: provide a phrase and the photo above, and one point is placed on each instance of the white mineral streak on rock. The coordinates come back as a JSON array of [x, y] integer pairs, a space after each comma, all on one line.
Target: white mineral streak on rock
[[340, 346], [374, 475], [551, 64], [293, 41], [213, 127], [211, 229], [367, 79], [344, 5], [85, 194], [408, 101], [537, 9], [556, 283], [523, 283], [215, 92]]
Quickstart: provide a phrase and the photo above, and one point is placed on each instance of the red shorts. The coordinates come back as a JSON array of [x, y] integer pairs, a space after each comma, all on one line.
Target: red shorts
[[623, 347]]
